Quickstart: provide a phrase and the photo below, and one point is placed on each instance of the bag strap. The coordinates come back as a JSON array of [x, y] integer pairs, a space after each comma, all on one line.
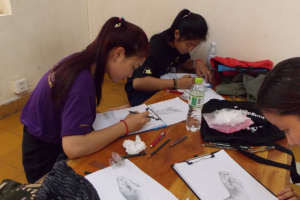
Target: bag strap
[[293, 170]]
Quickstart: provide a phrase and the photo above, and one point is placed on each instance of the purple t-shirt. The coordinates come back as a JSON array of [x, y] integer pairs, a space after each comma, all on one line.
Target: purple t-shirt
[[74, 118]]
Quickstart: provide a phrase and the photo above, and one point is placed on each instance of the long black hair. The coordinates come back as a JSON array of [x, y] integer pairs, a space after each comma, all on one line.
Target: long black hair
[[280, 91], [191, 26], [115, 32]]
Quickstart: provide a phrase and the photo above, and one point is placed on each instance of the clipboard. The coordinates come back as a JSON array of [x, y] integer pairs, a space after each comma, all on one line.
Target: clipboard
[[213, 187], [196, 159]]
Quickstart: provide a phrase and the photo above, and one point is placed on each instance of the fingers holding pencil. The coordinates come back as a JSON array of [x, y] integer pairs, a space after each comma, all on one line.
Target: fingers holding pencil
[[148, 116], [137, 121]]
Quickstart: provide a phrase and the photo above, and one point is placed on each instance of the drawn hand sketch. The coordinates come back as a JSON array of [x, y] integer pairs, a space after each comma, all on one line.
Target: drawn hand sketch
[[130, 189], [234, 186]]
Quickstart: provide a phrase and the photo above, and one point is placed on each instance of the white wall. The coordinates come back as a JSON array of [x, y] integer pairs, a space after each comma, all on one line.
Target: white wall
[[249, 30], [40, 32], [36, 36], [1, 7]]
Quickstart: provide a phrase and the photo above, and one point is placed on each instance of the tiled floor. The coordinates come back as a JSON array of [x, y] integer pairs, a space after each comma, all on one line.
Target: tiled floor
[[11, 134]]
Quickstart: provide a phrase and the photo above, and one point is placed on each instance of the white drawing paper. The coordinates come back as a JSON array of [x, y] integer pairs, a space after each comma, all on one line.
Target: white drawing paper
[[165, 113], [221, 178], [104, 120], [171, 111], [208, 95], [127, 182], [177, 75]]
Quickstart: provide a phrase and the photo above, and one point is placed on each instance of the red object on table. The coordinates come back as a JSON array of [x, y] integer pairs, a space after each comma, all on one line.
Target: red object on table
[[175, 91], [156, 141]]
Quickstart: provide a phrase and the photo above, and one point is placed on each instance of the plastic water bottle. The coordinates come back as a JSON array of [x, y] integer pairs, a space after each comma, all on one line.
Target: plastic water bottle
[[211, 53], [196, 98]]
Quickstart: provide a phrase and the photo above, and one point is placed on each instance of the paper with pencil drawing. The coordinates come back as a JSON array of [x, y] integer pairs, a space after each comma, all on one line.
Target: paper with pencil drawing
[[209, 93], [165, 113], [127, 182], [171, 111], [221, 178], [104, 120]]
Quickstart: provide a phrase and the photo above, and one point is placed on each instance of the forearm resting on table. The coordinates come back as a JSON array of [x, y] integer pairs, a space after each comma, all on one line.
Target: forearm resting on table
[[81, 145], [151, 83]]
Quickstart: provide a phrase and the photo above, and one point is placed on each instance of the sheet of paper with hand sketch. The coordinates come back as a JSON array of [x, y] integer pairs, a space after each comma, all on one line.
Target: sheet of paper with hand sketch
[[209, 93], [127, 182], [104, 120], [221, 178], [165, 113], [171, 111]]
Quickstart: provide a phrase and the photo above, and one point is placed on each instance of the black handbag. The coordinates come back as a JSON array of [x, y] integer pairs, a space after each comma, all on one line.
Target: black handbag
[[261, 133]]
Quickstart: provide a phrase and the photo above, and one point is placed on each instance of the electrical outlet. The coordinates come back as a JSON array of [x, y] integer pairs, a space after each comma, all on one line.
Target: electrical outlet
[[21, 86]]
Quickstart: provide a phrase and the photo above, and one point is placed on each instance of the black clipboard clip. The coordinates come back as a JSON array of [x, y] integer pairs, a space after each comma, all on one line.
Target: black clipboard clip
[[200, 158], [153, 114]]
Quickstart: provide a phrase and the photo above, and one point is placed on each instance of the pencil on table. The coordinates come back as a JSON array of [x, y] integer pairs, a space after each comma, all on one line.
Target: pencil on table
[[160, 147]]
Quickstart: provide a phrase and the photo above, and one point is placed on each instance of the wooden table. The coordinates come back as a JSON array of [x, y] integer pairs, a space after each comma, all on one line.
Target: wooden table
[[159, 166]]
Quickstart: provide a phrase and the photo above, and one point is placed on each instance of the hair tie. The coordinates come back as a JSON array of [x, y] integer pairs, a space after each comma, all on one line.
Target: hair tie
[[184, 16], [119, 23]]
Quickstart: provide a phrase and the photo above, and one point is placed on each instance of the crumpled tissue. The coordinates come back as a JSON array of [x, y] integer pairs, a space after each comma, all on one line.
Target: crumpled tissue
[[134, 147]]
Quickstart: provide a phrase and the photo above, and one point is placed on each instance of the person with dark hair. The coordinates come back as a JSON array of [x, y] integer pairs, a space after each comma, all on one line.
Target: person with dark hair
[[279, 100], [170, 50], [59, 114]]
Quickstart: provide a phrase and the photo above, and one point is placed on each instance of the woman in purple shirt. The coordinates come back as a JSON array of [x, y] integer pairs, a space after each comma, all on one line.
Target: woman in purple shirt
[[58, 116]]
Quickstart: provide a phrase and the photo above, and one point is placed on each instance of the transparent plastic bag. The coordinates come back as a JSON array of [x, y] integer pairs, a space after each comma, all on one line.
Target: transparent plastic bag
[[228, 120]]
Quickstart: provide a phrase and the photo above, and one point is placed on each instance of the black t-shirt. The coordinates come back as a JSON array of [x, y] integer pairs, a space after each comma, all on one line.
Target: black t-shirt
[[161, 60]]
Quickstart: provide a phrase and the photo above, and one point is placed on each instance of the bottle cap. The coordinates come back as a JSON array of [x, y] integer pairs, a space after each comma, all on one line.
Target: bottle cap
[[213, 44], [198, 80]]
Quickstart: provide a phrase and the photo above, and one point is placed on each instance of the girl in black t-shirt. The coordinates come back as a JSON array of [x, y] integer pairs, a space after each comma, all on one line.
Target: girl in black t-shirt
[[170, 50]]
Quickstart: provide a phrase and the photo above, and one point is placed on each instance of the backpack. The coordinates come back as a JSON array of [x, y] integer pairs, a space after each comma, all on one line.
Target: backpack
[[229, 67]]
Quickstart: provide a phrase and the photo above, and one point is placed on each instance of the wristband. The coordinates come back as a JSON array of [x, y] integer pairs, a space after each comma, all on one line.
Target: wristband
[[174, 84], [124, 122]]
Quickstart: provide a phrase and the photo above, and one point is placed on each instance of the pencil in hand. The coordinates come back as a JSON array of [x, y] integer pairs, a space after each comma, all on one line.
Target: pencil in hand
[[134, 112]]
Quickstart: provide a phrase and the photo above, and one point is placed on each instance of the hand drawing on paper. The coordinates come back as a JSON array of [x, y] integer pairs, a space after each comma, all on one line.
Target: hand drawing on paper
[[130, 189], [234, 186]]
